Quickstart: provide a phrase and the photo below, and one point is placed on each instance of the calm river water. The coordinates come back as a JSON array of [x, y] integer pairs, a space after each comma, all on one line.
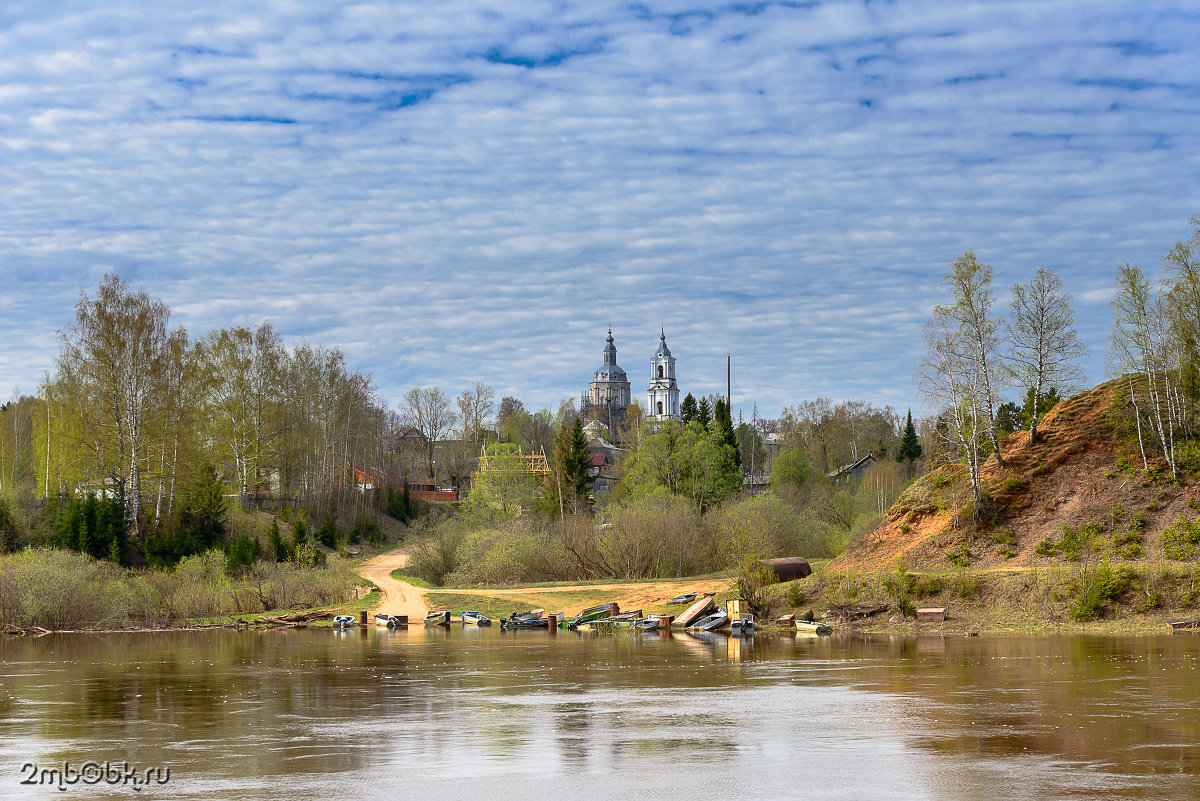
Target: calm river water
[[477, 714]]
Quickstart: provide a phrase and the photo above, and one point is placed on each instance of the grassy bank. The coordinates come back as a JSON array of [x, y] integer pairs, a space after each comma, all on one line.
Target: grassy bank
[[1096, 598], [57, 590]]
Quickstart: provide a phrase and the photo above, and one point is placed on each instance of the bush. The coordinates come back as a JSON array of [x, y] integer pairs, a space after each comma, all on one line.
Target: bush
[[1096, 588], [1179, 540], [795, 595], [960, 556], [1046, 548]]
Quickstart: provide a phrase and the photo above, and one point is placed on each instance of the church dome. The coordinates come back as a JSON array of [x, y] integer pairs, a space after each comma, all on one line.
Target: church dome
[[663, 351], [609, 371]]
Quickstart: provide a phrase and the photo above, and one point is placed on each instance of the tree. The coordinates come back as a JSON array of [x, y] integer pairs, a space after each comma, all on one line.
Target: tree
[[910, 445], [475, 411], [688, 410], [428, 411], [683, 460], [202, 511], [108, 371], [704, 413], [791, 469], [504, 477], [1044, 348], [569, 479], [974, 338], [723, 421]]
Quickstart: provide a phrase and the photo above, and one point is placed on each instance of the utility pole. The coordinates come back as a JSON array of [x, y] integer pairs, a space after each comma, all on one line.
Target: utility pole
[[728, 383], [753, 445]]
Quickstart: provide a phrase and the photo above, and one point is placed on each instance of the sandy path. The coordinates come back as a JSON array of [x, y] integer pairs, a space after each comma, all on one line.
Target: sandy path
[[399, 597]]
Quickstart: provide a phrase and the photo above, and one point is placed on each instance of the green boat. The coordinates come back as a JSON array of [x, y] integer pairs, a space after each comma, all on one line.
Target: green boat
[[587, 616]]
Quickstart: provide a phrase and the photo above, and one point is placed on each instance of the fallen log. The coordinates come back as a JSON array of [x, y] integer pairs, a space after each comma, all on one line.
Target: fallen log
[[847, 612]]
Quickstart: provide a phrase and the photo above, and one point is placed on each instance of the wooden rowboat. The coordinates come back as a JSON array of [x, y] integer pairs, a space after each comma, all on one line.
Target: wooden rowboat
[[813, 627], [438, 618]]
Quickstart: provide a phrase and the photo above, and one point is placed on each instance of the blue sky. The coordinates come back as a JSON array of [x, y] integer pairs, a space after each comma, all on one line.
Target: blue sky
[[466, 191]]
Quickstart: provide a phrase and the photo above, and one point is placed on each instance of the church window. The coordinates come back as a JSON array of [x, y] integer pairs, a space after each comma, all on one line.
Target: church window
[[660, 405], [660, 371]]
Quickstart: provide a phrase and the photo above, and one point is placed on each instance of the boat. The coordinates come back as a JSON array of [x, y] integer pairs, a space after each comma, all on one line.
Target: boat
[[387, 621], [476, 618], [343, 621], [696, 611], [524, 623], [647, 623], [588, 615], [439, 618], [743, 625], [1193, 623], [531, 614], [714, 621], [814, 627], [686, 598]]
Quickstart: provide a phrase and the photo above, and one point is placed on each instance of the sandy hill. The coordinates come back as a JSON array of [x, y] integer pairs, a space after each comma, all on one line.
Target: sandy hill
[[1075, 476]]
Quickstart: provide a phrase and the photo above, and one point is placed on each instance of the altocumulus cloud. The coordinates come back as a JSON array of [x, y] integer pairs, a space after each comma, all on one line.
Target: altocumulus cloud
[[457, 191]]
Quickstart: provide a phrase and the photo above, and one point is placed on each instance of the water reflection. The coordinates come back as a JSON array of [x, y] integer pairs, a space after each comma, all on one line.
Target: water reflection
[[466, 711]]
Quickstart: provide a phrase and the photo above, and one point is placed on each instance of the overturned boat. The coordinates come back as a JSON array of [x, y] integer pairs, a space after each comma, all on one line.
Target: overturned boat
[[713, 622], [813, 627], [696, 611], [686, 598], [439, 618]]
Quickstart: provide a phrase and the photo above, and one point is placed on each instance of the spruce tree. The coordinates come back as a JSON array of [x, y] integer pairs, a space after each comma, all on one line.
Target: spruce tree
[[910, 446], [724, 422], [687, 409], [704, 413]]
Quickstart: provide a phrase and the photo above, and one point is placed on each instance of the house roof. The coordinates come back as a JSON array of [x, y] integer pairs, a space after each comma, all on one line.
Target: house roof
[[846, 468]]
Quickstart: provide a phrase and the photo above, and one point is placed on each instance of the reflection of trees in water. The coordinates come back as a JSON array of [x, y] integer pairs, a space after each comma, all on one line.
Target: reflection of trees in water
[[252, 704]]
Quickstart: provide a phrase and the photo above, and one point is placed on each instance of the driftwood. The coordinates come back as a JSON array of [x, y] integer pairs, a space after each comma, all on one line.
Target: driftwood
[[846, 612]]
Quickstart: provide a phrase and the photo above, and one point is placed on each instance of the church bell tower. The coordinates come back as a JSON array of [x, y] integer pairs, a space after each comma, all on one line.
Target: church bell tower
[[662, 398]]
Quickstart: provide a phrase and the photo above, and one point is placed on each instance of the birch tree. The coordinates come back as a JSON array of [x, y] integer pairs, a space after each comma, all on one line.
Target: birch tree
[[974, 335], [427, 409], [1044, 349]]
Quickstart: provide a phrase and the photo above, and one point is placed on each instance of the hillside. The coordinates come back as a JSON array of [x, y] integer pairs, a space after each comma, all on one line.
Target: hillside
[[1076, 478]]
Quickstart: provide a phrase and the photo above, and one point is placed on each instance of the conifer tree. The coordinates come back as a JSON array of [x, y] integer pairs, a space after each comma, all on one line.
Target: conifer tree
[[910, 446], [704, 413], [687, 409], [724, 421]]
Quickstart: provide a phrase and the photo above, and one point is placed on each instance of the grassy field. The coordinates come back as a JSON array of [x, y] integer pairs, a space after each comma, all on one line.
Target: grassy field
[[368, 601]]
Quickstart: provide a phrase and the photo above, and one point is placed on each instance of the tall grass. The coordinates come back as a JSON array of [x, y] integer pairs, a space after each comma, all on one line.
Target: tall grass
[[58, 589]]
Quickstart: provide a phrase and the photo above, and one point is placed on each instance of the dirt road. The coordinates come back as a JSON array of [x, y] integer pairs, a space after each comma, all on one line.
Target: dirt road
[[399, 597], [402, 598]]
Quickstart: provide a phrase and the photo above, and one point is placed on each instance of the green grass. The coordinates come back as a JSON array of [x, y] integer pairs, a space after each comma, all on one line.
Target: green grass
[[399, 574], [368, 601]]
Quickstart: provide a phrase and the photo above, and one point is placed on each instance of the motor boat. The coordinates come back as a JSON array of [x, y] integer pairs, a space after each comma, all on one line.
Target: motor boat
[[476, 619], [743, 625], [343, 621], [531, 614], [813, 627], [384, 620]]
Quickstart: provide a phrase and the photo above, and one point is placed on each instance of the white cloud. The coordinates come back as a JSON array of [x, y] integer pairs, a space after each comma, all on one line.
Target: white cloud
[[460, 192]]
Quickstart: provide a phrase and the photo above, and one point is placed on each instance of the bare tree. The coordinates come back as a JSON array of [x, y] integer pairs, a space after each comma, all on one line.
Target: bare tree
[[475, 411], [427, 409], [974, 337], [1043, 346]]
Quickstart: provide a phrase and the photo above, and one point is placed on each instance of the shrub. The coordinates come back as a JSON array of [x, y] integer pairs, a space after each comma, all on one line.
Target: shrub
[[1096, 588], [966, 586], [1011, 485], [928, 585], [1046, 548], [1005, 536], [795, 594], [906, 607], [960, 556], [1179, 540]]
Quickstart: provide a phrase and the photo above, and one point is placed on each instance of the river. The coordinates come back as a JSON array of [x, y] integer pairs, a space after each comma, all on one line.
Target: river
[[480, 714]]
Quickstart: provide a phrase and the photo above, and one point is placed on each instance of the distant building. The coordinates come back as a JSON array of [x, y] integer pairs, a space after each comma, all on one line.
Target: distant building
[[662, 398], [848, 473], [608, 396]]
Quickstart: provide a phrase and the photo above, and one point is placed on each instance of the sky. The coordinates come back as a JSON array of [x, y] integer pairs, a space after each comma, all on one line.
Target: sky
[[475, 191]]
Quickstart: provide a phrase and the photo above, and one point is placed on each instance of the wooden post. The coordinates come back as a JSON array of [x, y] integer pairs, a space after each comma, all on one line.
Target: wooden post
[[552, 622], [362, 618], [664, 621], [614, 609]]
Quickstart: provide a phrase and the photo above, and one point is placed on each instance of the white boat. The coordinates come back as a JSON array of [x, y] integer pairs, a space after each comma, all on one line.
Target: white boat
[[813, 627], [343, 621], [743, 625], [647, 624], [438, 618], [387, 621], [714, 621], [476, 618]]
